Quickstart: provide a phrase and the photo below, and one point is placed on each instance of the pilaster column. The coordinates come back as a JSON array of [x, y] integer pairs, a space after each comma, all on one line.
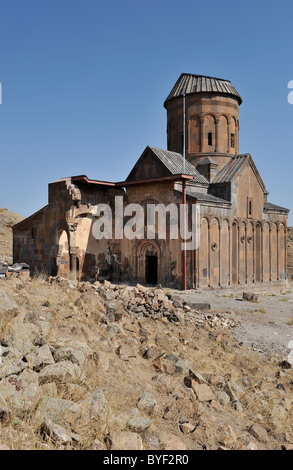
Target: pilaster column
[[230, 255], [237, 138], [262, 253], [270, 252], [209, 254], [278, 253], [246, 256], [73, 262], [285, 253], [229, 139], [201, 133], [254, 254], [238, 253], [217, 135]]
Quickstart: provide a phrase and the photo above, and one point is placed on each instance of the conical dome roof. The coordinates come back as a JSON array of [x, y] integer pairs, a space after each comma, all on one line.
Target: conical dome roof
[[192, 84]]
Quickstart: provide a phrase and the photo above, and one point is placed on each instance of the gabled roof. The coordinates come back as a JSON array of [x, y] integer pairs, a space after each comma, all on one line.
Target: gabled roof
[[207, 161], [209, 199], [190, 84], [174, 164], [230, 170], [268, 206]]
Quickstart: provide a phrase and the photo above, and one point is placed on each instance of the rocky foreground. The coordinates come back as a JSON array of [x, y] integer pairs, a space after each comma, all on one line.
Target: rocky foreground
[[114, 367]]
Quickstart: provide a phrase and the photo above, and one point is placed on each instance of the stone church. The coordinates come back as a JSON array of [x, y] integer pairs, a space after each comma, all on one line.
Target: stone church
[[242, 235]]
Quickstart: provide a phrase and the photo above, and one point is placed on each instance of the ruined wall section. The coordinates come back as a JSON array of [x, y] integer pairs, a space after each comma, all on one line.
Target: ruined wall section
[[95, 257], [31, 243], [35, 240], [58, 239]]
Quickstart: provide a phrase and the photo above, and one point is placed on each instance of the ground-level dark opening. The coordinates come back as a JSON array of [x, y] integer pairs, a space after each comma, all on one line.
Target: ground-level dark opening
[[151, 269], [54, 267]]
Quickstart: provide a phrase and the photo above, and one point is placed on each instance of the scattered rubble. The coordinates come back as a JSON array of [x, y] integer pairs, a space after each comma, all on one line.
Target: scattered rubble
[[250, 296], [154, 303], [7, 270]]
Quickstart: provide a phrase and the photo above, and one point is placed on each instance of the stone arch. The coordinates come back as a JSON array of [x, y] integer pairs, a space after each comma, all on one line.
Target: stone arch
[[83, 215], [55, 231], [62, 241], [148, 255], [91, 253], [209, 113], [194, 134]]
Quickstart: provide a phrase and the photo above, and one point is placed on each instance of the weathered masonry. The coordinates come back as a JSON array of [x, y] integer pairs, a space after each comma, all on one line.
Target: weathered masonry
[[243, 236]]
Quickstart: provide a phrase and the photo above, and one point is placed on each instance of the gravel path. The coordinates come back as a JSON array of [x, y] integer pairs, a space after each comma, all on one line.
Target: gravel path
[[264, 326]]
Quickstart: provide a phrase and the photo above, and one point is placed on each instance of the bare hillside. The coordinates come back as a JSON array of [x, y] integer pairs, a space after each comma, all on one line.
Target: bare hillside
[[7, 220]]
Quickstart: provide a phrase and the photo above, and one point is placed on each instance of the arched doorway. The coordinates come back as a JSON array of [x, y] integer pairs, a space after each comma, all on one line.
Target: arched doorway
[[151, 267], [148, 259], [54, 267]]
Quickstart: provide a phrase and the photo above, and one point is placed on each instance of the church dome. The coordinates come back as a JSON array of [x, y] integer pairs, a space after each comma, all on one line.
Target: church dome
[[192, 84]]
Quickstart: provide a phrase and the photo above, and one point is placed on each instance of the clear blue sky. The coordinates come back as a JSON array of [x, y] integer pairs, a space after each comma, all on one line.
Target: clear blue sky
[[84, 83]]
